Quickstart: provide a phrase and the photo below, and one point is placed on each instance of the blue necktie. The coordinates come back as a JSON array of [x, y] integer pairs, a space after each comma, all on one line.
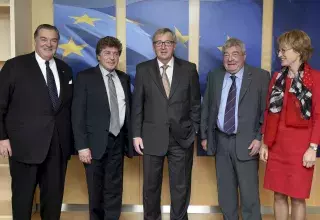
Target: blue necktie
[[229, 114], [52, 87]]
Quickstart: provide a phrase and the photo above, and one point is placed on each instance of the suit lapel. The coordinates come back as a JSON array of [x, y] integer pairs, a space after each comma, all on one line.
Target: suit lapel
[[98, 83], [219, 84], [246, 81], [124, 85], [63, 84], [156, 77], [176, 76], [37, 71]]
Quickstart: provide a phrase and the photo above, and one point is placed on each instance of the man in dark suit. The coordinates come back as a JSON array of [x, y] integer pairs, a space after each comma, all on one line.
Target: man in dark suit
[[35, 125], [231, 118], [165, 119], [102, 131]]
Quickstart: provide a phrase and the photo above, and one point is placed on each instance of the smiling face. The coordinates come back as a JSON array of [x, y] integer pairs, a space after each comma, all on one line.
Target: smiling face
[[109, 58], [233, 59], [164, 47], [46, 43], [288, 56]]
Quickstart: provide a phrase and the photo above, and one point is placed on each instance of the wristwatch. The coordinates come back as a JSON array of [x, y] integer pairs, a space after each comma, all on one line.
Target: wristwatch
[[313, 147]]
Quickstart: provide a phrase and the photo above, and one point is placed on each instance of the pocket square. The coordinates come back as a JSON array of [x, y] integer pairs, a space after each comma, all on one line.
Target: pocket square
[[70, 82]]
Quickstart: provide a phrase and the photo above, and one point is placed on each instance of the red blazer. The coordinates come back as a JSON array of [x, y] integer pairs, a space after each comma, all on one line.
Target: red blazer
[[293, 114]]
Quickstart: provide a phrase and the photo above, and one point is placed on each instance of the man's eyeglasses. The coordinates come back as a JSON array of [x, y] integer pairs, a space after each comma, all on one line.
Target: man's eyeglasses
[[167, 43]]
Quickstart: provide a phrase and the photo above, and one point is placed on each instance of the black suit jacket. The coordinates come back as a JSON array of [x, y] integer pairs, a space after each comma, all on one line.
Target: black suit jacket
[[154, 115], [91, 113], [27, 118]]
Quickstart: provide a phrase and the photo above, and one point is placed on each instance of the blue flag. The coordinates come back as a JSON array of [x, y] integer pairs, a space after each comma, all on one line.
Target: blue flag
[[297, 14]]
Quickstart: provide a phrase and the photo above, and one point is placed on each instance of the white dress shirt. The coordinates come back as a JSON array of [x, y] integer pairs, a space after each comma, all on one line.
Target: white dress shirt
[[169, 70], [120, 93], [53, 67]]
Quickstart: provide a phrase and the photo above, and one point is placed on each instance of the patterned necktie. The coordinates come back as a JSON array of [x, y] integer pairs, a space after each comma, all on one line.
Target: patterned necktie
[[114, 107], [52, 87], [229, 114], [165, 80]]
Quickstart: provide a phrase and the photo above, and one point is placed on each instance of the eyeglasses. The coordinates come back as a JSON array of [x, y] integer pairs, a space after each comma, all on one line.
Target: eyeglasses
[[167, 43], [283, 50]]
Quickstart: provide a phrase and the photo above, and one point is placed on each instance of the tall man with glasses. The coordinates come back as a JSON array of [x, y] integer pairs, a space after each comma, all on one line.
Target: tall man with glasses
[[102, 128], [231, 119], [165, 120], [35, 125]]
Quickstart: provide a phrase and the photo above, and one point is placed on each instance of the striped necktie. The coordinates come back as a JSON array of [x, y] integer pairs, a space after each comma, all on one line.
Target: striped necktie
[[230, 110]]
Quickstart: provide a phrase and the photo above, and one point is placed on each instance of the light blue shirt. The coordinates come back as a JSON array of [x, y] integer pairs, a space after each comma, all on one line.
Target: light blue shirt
[[227, 82]]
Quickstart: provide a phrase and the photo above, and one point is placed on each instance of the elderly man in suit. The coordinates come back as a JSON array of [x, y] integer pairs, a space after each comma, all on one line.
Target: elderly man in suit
[[102, 128], [231, 119], [35, 125], [165, 119]]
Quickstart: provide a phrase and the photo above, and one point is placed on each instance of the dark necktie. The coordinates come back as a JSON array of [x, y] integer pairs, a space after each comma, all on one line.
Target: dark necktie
[[52, 87], [165, 80], [114, 107], [229, 114]]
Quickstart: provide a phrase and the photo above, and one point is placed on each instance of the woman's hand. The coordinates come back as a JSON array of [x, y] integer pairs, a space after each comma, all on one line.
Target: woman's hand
[[309, 158], [264, 153]]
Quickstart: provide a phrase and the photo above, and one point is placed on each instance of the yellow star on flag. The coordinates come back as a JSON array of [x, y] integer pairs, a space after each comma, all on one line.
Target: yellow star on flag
[[85, 19], [72, 47], [220, 48], [181, 38]]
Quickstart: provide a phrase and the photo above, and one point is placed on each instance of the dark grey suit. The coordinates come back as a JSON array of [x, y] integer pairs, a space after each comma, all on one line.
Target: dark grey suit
[[167, 127], [235, 167]]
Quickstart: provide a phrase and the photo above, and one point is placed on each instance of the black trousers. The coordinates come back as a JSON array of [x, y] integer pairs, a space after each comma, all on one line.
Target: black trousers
[[50, 175], [180, 162], [105, 182]]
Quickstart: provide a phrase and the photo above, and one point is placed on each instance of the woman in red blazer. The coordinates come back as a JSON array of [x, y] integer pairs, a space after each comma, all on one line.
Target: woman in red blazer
[[292, 126]]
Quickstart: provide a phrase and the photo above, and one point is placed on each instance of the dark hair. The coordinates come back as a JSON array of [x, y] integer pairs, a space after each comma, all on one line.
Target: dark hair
[[47, 27], [108, 41]]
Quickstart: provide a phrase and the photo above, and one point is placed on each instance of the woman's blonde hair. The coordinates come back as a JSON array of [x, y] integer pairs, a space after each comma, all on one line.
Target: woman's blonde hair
[[299, 41]]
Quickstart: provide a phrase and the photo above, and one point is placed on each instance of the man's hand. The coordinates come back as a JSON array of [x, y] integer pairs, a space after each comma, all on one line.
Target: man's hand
[[204, 144], [5, 148], [138, 145], [85, 156], [254, 147]]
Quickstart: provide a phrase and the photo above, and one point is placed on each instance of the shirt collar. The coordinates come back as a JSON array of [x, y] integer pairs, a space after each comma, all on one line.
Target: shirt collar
[[170, 63], [106, 72], [238, 75], [40, 60]]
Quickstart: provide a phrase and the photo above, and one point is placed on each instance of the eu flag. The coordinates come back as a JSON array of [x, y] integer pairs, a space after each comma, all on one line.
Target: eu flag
[[297, 14], [222, 19]]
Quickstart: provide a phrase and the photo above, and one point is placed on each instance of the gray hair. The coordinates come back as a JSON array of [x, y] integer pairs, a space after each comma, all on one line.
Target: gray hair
[[162, 31], [233, 42]]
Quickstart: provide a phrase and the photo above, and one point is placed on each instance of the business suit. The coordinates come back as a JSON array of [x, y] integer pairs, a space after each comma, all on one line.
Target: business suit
[[40, 137], [167, 126], [233, 163], [91, 121]]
